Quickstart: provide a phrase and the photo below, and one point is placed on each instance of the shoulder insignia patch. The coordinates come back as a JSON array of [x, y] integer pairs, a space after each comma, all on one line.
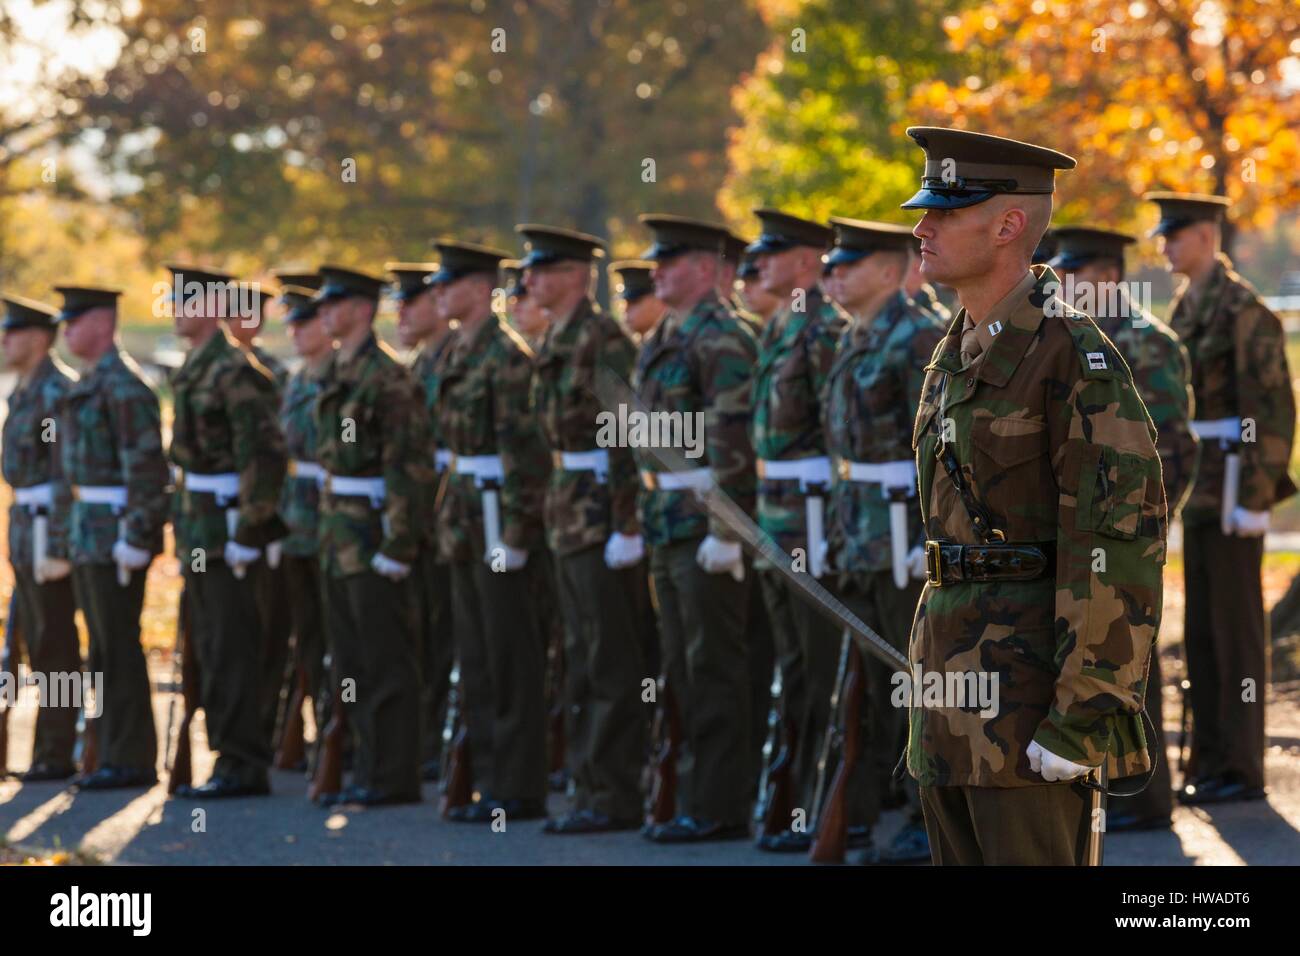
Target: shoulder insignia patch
[[1096, 360]]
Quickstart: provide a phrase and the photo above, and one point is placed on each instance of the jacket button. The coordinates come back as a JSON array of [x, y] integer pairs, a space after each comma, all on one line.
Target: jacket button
[[970, 382]]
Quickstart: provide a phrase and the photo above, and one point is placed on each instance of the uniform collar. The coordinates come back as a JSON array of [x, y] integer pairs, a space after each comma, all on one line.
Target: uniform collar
[[1017, 316]]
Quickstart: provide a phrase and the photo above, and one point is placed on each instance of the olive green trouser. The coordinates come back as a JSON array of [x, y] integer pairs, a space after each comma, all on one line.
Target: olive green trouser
[[47, 622], [808, 648], [888, 610], [604, 642], [1044, 825], [303, 581], [1226, 636], [706, 660], [762, 661], [502, 670], [127, 736], [436, 649], [228, 638], [369, 621], [272, 588]]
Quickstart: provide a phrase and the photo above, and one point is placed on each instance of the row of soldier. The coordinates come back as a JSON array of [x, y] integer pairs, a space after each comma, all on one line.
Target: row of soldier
[[401, 518]]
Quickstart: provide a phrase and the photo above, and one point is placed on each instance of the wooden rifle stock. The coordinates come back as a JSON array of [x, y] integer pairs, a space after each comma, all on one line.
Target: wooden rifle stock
[[293, 746], [329, 764], [775, 797], [180, 772], [830, 841], [89, 745], [457, 772], [663, 792]]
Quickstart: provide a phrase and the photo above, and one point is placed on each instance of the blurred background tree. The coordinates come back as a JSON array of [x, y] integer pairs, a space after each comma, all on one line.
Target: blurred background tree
[[825, 107], [229, 127], [1188, 95]]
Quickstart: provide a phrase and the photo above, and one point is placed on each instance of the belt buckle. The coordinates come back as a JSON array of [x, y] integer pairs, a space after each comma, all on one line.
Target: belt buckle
[[557, 460], [648, 479], [933, 564], [760, 466], [843, 469]]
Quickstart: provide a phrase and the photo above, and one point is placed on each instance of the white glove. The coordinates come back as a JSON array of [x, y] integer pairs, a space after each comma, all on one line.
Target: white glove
[[514, 558], [274, 551], [239, 556], [916, 563], [1249, 524], [1052, 767], [715, 556], [623, 550], [131, 557], [388, 568], [52, 569]]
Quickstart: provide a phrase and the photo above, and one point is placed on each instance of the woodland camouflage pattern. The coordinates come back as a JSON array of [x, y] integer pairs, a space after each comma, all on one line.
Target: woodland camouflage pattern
[[1161, 371], [483, 402], [371, 395], [795, 358], [222, 422], [300, 499], [279, 371], [868, 409], [700, 362], [580, 511], [112, 435], [427, 371], [1239, 370], [1056, 450], [28, 460]]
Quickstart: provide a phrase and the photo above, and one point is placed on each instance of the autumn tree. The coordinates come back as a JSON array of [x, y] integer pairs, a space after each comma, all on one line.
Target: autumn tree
[[261, 130], [826, 105], [1196, 95]]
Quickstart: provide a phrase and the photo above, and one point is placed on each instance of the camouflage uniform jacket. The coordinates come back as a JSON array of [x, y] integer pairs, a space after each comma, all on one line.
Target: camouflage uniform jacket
[[1239, 370], [1053, 443], [222, 423], [483, 409], [370, 423], [427, 370], [32, 436], [112, 435], [300, 499], [868, 409], [927, 300], [1162, 373], [795, 357], [279, 371], [698, 364], [582, 509]]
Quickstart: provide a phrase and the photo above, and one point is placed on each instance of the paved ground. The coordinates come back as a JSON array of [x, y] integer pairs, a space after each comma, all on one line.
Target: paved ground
[[136, 828]]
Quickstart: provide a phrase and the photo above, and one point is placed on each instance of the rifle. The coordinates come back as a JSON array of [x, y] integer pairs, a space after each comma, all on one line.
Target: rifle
[[668, 728], [831, 830], [457, 776], [89, 729], [292, 748], [329, 764], [185, 666], [775, 796], [1185, 729], [9, 665]]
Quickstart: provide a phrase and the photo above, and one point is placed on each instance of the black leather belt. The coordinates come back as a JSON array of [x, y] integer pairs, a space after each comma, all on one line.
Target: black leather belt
[[948, 563]]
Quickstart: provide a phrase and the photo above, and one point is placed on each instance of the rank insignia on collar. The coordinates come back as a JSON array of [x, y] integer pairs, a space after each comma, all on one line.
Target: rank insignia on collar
[[995, 328]]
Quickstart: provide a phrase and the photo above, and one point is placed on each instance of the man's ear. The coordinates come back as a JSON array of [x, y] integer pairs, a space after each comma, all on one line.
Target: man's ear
[[1011, 225]]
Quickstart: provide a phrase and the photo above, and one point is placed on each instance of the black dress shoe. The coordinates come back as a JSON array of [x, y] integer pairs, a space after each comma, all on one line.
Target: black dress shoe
[[1119, 822], [41, 772], [588, 821], [787, 841], [480, 812], [335, 798], [430, 770], [219, 788], [1223, 789], [117, 778], [366, 797], [521, 809], [694, 830], [909, 845], [859, 837]]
